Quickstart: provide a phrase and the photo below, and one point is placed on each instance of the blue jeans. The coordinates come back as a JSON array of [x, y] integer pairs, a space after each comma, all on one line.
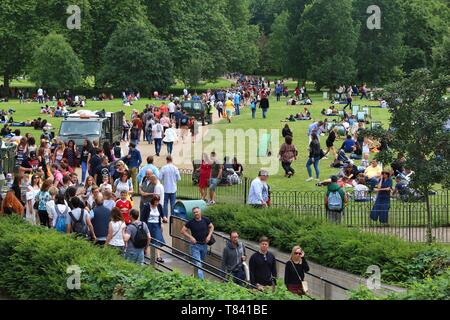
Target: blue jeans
[[158, 146], [237, 109], [253, 113], [148, 136], [316, 167], [83, 171], [169, 147], [199, 252], [135, 255], [172, 197], [264, 112]]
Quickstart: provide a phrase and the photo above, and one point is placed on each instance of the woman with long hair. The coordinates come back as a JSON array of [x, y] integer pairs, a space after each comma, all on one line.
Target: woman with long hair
[[58, 154], [330, 142], [44, 155], [294, 274], [123, 183], [115, 231], [11, 204], [288, 153], [31, 144], [108, 151], [32, 190], [21, 151], [380, 210]]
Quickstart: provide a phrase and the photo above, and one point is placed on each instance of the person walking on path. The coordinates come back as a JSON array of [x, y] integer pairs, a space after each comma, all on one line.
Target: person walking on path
[[264, 105], [137, 238], [134, 160], [315, 153], [288, 153], [294, 273], [380, 211], [146, 189], [335, 200], [229, 108], [233, 257], [157, 134], [169, 176], [152, 214], [170, 136], [263, 266], [201, 234]]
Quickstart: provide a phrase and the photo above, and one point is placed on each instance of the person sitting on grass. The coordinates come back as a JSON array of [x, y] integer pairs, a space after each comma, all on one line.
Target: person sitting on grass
[[349, 144], [360, 190]]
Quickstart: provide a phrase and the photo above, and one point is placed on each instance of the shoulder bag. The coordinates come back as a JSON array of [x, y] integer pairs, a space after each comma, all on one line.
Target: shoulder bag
[[303, 283]]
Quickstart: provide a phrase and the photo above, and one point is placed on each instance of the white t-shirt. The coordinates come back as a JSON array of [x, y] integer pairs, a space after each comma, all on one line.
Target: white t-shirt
[[120, 186], [170, 135], [159, 190], [40, 92], [154, 215], [360, 192], [157, 131], [117, 233], [76, 214], [171, 107], [109, 204]]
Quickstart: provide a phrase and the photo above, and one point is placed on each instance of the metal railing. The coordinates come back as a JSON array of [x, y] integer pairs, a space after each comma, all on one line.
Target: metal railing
[[407, 217], [326, 282]]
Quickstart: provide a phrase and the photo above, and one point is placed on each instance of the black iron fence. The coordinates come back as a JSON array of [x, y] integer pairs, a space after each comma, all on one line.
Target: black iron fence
[[406, 218]]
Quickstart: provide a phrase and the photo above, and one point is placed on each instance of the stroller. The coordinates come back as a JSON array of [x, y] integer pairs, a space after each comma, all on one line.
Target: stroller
[[341, 160]]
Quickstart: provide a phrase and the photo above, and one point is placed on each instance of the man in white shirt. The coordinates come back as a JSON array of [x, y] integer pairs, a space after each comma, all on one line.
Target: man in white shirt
[[172, 107], [157, 135], [40, 95], [256, 196], [169, 176]]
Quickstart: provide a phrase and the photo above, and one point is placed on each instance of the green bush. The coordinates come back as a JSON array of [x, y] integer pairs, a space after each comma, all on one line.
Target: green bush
[[34, 260], [334, 246]]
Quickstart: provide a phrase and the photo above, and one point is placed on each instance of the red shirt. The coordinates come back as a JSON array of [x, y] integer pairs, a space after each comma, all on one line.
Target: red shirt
[[138, 123], [125, 208], [163, 108]]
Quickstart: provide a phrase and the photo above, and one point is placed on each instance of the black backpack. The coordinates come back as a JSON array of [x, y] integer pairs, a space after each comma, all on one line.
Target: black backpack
[[140, 239], [78, 226]]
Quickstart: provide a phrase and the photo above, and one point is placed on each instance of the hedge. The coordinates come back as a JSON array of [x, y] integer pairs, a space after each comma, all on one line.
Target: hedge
[[34, 260], [334, 246]]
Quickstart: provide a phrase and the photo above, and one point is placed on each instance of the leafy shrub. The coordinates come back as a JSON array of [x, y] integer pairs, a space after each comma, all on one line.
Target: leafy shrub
[[334, 246], [34, 260]]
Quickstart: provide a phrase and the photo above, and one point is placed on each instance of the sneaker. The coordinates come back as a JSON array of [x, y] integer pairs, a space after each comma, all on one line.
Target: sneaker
[[309, 180]]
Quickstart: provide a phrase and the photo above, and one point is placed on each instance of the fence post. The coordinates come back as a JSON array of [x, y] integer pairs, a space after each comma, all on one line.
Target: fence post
[[245, 189], [152, 256], [326, 291]]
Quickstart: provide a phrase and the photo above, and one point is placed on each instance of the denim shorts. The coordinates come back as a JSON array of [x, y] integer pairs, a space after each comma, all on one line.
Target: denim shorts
[[213, 182]]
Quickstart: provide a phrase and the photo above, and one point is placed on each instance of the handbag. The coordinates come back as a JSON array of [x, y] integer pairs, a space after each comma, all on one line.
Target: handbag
[[304, 284], [36, 202], [212, 241]]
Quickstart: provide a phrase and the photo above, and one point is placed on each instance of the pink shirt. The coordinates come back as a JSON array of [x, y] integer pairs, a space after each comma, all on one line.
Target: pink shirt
[[165, 121]]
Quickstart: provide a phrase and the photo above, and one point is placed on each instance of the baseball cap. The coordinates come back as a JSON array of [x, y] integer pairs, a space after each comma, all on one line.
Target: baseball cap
[[263, 173]]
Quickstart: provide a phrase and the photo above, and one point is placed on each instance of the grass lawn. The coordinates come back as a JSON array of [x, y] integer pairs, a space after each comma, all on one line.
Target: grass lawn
[[279, 111]]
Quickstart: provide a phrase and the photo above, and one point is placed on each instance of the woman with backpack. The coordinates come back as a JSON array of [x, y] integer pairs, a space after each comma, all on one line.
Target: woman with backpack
[[79, 221], [116, 231], [124, 183], [60, 214]]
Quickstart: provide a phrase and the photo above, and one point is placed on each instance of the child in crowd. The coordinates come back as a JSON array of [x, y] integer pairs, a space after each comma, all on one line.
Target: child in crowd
[[125, 206]]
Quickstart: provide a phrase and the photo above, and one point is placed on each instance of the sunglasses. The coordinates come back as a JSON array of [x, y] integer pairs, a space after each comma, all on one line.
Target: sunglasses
[[298, 253]]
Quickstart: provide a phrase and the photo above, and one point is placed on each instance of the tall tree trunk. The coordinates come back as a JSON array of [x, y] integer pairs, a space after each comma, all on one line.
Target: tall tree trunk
[[429, 218], [6, 85]]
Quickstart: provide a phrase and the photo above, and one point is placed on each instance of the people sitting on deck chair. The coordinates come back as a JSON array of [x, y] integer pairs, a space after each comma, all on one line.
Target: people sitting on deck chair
[[373, 174]]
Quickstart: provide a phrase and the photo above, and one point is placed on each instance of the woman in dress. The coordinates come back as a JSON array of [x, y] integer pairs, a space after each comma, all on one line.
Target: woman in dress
[[31, 144], [32, 190], [330, 142], [21, 151], [380, 211], [205, 174]]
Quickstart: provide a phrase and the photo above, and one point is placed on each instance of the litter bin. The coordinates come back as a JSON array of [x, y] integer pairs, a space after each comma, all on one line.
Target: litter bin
[[183, 209]]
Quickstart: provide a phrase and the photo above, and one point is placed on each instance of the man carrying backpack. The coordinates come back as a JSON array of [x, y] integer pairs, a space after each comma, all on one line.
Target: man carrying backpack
[[136, 237], [80, 221], [335, 200]]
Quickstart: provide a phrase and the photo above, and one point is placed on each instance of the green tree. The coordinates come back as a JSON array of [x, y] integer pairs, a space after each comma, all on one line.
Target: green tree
[[136, 58], [419, 112], [279, 42], [380, 53], [328, 37], [18, 34], [55, 65], [425, 26], [441, 57]]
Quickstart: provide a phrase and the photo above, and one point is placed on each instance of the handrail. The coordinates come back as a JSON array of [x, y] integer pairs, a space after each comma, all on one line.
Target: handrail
[[216, 274], [254, 250]]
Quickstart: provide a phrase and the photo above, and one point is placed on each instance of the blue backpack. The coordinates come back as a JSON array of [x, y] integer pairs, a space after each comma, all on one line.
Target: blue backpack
[[335, 202], [60, 225]]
